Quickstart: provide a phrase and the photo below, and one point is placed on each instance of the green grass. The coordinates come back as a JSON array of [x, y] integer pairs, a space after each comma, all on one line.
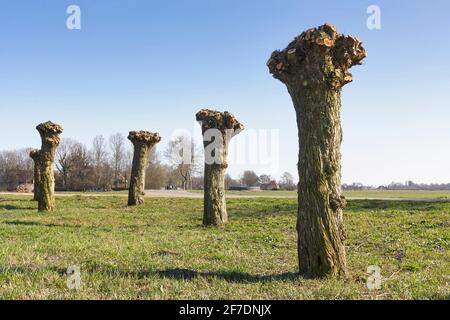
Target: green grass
[[399, 194], [371, 194], [161, 251]]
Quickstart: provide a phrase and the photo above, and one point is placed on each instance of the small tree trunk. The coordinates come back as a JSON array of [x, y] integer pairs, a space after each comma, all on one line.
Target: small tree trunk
[[35, 155], [218, 128], [215, 210], [143, 141], [314, 68], [50, 140], [321, 246]]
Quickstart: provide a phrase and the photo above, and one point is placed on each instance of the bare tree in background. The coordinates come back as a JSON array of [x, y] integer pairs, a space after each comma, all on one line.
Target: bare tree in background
[[81, 178], [118, 155], [99, 162], [74, 164], [157, 173], [287, 181], [265, 178], [64, 161], [184, 156], [228, 181], [16, 168], [249, 178]]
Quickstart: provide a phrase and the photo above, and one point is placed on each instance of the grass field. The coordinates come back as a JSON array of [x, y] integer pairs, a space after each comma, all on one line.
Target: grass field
[[161, 251], [366, 194], [400, 194]]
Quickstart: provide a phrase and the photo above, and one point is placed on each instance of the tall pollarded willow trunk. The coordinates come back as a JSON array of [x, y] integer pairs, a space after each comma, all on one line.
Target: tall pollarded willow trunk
[[142, 141], [49, 132], [36, 156], [218, 128], [314, 67]]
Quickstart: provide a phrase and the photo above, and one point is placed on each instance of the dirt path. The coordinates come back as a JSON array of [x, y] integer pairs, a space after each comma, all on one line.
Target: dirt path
[[151, 194], [194, 195], [187, 194]]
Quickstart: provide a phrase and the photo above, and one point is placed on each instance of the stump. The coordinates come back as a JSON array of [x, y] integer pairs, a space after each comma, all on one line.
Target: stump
[[142, 141], [314, 67], [223, 126], [49, 132]]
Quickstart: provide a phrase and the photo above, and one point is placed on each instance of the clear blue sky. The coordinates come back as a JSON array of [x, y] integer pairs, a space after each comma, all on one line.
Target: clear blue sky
[[152, 64]]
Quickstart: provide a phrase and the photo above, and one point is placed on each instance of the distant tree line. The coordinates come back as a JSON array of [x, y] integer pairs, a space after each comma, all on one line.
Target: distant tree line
[[16, 167], [249, 178], [106, 165], [408, 185]]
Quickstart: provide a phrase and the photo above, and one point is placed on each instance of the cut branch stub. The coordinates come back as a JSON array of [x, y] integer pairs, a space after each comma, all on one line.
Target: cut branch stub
[[316, 55], [144, 137], [36, 156], [314, 67], [143, 141], [222, 121], [215, 212], [49, 132]]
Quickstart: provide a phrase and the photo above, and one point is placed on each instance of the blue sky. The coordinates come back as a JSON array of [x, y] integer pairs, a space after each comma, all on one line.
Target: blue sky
[[152, 64]]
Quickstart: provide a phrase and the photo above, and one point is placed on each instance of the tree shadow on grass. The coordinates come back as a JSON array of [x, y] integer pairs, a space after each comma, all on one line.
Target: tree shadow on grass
[[229, 276], [188, 275], [33, 223], [372, 204], [273, 210], [282, 207], [176, 274], [22, 223], [12, 207], [50, 225]]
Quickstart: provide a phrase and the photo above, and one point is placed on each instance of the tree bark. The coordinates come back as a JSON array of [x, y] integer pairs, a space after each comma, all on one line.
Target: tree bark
[[215, 210], [143, 141], [35, 155], [50, 140], [314, 67], [223, 127]]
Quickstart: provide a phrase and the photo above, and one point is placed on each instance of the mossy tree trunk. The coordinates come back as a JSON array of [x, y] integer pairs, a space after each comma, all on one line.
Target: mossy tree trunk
[[142, 141], [215, 209], [314, 68], [50, 140], [217, 128], [35, 155]]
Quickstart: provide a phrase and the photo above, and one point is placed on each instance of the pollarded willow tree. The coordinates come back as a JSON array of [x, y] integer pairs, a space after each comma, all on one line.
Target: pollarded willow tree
[[36, 156], [142, 141], [314, 67], [218, 128], [49, 132]]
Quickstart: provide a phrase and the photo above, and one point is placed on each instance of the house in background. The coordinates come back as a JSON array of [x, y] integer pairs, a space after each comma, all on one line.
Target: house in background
[[272, 185]]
